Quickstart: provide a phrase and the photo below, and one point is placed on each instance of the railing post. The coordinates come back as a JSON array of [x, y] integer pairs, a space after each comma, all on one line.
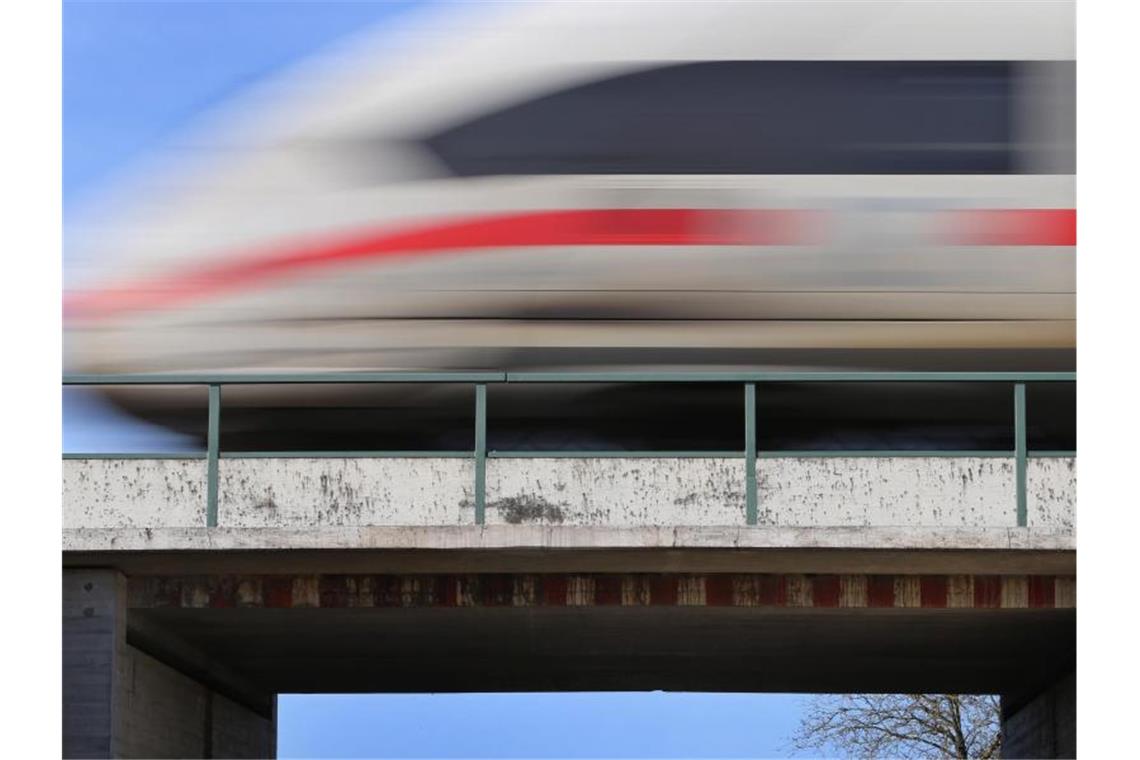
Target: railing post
[[215, 410], [751, 508], [480, 453], [1020, 452]]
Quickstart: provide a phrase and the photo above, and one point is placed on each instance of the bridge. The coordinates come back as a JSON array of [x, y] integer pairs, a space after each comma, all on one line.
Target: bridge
[[199, 586]]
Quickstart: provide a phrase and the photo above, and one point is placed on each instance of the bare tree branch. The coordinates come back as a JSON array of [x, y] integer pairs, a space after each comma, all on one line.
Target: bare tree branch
[[902, 726]]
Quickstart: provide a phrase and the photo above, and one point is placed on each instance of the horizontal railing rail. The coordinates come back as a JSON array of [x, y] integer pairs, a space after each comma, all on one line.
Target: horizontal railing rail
[[480, 380]]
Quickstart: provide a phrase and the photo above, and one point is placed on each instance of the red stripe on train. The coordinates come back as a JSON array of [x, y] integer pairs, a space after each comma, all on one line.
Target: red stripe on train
[[578, 227]]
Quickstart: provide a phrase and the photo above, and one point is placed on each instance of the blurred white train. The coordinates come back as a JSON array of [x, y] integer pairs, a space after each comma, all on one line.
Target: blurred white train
[[832, 185]]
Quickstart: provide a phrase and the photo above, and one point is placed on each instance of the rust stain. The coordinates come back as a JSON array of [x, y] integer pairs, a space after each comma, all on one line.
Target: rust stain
[[720, 590], [608, 590], [306, 591], [525, 591], [987, 591], [1065, 592], [960, 591], [580, 591], [635, 591], [691, 590], [1041, 591], [907, 591], [1014, 592], [880, 591], [825, 591], [798, 591], [933, 590], [852, 591]]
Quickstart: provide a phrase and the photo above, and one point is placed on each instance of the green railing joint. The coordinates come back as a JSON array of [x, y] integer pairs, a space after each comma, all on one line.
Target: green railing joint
[[1019, 446], [212, 435], [614, 454], [419, 454], [480, 454], [751, 500]]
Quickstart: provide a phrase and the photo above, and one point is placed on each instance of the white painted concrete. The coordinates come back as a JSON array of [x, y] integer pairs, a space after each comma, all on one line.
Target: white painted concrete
[[616, 492], [921, 493], [1051, 492], [134, 493], [257, 493], [882, 491]]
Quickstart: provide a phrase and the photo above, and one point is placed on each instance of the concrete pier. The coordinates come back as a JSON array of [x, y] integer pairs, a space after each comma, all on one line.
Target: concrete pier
[[1043, 724], [119, 701]]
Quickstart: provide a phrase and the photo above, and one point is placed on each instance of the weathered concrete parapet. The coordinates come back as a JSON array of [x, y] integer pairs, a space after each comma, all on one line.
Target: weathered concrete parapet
[[902, 491], [260, 493], [1051, 492], [595, 492], [615, 492], [134, 493]]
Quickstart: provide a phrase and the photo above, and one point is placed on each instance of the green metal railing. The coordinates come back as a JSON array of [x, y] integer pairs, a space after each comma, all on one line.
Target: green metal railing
[[480, 454]]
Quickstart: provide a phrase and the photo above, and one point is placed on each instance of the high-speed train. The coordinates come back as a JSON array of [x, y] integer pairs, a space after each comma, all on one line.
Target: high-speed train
[[714, 185]]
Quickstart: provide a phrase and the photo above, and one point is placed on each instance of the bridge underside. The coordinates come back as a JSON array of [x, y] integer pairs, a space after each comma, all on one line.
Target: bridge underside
[[620, 648], [184, 660]]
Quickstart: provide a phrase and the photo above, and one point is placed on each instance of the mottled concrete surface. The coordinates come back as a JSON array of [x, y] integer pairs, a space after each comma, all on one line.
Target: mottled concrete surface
[[609, 494], [257, 493], [134, 493], [915, 491], [1051, 492], [615, 492]]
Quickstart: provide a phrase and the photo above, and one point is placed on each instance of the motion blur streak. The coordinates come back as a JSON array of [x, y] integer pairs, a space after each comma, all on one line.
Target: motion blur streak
[[758, 227], [551, 228], [864, 184]]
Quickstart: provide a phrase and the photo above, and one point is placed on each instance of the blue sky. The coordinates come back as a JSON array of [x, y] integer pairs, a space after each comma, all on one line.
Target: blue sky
[[134, 72]]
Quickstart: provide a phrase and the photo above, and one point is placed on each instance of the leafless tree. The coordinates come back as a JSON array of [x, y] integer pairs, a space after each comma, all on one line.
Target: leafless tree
[[902, 726]]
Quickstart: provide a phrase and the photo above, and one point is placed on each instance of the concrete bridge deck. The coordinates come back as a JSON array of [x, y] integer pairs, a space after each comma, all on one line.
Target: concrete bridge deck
[[897, 573]]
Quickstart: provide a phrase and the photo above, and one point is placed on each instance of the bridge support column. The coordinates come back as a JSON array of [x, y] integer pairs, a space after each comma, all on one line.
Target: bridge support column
[[1044, 725], [119, 701]]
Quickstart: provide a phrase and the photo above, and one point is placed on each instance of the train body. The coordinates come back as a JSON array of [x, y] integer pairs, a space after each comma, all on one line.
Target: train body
[[826, 185]]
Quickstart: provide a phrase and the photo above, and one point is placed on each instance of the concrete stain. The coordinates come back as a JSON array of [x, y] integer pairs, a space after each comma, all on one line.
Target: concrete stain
[[528, 508]]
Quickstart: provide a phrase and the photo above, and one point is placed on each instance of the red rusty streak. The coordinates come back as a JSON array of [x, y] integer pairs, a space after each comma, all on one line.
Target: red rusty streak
[[773, 591], [496, 590], [387, 591], [880, 591], [987, 591], [825, 591], [277, 591], [554, 590], [335, 590], [447, 590], [663, 589], [932, 590], [332, 590], [607, 589], [718, 590], [223, 592], [1042, 591]]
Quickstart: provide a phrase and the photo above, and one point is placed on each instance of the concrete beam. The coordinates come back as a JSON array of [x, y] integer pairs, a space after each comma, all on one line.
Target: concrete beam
[[850, 591], [566, 538], [603, 647]]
